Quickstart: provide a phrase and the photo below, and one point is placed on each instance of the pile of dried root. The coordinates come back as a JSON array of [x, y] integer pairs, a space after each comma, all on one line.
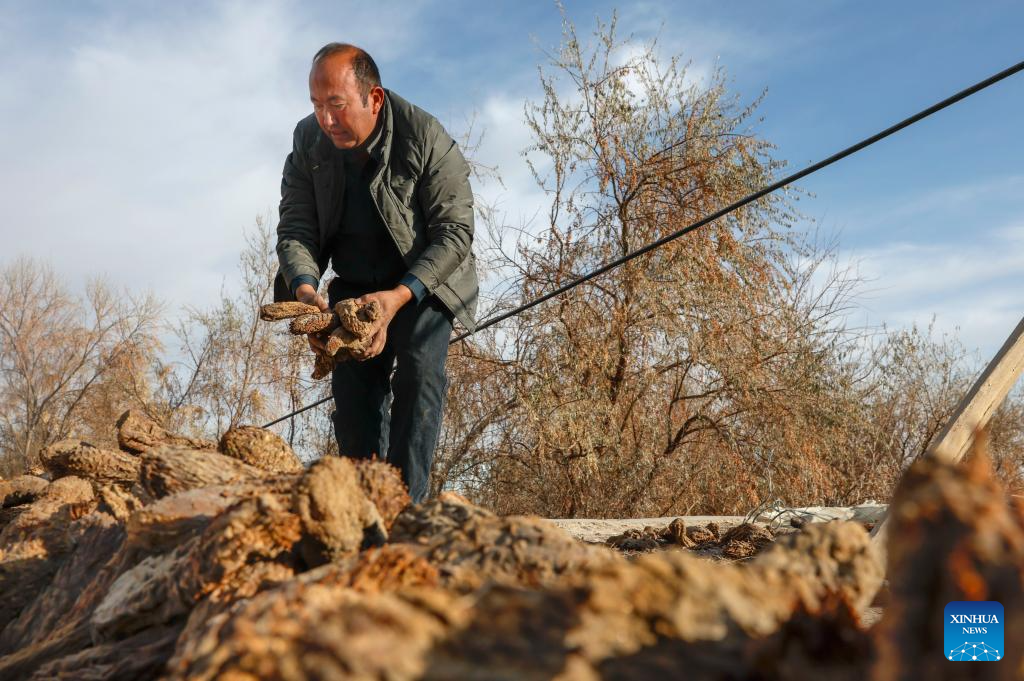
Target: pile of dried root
[[176, 558]]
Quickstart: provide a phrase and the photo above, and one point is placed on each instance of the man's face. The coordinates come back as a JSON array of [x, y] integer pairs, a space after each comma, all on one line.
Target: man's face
[[338, 106]]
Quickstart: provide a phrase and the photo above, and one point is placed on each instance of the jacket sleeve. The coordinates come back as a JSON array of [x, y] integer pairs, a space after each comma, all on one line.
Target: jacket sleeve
[[446, 200], [298, 235]]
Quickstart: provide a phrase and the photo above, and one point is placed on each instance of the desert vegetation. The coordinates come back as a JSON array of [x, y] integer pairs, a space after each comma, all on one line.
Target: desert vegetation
[[713, 374]]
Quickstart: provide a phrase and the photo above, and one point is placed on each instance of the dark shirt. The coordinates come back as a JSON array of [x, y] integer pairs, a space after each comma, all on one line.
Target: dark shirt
[[365, 255]]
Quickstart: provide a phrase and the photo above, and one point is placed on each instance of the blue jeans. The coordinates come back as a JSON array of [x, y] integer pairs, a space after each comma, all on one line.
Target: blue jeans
[[393, 402]]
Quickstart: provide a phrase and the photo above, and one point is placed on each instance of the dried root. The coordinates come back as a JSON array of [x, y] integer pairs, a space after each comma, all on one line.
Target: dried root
[[278, 311], [742, 541], [323, 365], [357, 318], [313, 323], [220, 569], [346, 331], [261, 448]]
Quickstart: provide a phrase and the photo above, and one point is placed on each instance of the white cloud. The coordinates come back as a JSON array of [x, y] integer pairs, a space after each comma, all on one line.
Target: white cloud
[[505, 137], [522, 206], [696, 72], [702, 39], [517, 205], [971, 290], [145, 146]]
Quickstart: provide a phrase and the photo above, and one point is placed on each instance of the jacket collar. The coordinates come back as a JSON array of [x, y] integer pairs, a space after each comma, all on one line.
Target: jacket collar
[[373, 145], [380, 148]]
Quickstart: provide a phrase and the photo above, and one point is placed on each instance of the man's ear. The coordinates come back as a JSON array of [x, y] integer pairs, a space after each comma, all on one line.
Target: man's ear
[[376, 99]]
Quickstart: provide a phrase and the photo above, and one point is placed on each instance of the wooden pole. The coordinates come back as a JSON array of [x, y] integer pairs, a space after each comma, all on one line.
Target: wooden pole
[[978, 405], [974, 410]]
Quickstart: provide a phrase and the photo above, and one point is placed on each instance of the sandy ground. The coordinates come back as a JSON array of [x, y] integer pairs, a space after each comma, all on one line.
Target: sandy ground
[[597, 530]]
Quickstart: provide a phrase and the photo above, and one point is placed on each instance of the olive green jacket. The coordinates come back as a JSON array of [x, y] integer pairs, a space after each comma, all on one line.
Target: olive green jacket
[[421, 188]]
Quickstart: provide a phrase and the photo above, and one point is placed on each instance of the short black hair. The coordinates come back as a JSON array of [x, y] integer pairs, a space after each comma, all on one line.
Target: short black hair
[[365, 69]]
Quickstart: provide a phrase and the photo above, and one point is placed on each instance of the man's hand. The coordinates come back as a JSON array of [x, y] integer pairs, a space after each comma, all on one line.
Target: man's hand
[[390, 303], [308, 295]]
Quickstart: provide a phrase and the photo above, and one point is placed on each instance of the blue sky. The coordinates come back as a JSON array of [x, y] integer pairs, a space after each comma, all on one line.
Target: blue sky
[[141, 138]]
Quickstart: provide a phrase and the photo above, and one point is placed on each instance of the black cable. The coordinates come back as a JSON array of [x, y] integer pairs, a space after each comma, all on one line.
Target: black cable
[[949, 101]]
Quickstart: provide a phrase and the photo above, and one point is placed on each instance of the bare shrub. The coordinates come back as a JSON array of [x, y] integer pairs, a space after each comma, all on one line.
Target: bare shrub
[[235, 369], [707, 376], [60, 356]]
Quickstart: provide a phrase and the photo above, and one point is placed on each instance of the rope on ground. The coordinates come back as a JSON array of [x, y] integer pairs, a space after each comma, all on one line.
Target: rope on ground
[[778, 513]]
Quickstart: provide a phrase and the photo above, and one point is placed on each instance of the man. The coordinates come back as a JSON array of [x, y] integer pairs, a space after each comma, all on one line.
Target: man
[[376, 185]]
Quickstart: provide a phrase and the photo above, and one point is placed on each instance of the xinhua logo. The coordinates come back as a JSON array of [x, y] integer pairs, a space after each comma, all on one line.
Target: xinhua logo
[[974, 631]]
